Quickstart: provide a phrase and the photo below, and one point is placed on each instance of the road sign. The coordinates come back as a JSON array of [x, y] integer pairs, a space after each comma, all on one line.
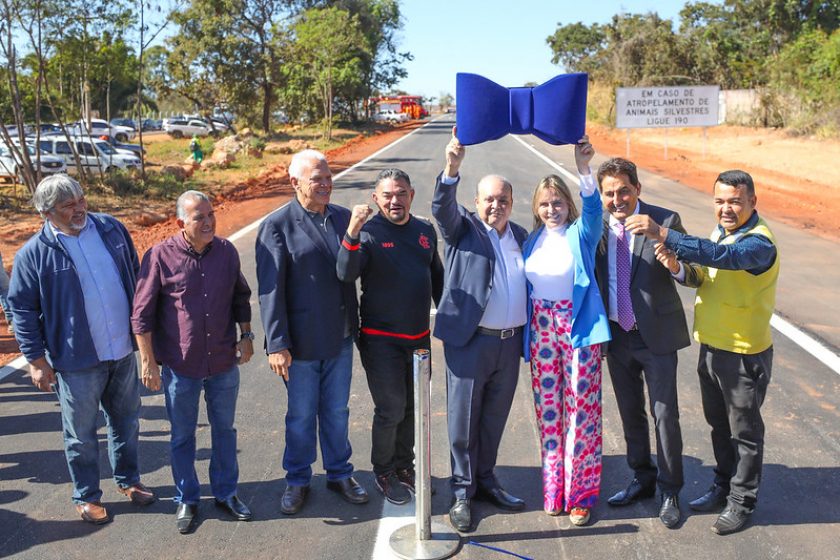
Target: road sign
[[666, 106]]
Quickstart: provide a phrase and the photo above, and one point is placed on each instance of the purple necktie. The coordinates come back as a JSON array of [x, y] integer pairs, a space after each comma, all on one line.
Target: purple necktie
[[626, 318]]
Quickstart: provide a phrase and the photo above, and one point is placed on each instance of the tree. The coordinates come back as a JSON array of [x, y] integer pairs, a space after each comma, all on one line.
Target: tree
[[445, 100], [224, 48], [329, 45]]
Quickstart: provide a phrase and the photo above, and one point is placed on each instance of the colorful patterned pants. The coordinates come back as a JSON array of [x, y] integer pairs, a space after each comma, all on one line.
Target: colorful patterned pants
[[567, 398]]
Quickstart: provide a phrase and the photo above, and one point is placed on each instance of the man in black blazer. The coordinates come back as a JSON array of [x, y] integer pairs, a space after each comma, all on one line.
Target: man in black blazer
[[479, 319], [648, 326], [310, 320]]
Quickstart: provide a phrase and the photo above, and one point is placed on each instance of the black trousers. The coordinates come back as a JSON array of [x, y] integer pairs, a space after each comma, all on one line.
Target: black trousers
[[733, 387], [389, 366], [628, 358]]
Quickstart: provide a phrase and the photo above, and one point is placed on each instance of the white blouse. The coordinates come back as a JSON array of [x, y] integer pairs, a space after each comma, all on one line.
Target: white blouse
[[550, 268]]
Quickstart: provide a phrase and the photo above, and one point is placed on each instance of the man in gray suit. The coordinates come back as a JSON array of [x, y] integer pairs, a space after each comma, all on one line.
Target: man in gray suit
[[479, 320], [310, 320], [648, 326]]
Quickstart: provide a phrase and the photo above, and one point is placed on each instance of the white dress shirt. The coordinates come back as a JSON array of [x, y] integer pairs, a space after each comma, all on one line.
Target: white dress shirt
[[506, 307]]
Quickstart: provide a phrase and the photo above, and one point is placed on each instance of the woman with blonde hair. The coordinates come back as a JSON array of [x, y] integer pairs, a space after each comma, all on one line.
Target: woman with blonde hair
[[567, 325]]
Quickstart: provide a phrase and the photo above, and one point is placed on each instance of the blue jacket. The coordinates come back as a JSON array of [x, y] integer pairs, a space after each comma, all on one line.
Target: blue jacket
[[304, 307], [590, 324], [470, 261], [47, 300]]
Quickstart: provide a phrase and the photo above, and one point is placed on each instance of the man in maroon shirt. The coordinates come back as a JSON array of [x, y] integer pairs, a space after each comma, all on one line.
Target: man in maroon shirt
[[190, 293]]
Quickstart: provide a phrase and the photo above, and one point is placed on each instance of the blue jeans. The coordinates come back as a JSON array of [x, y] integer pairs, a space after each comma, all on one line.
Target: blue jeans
[[113, 385], [318, 394], [182, 395]]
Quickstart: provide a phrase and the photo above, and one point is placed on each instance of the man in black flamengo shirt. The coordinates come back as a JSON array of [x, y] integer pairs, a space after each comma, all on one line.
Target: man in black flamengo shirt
[[395, 254]]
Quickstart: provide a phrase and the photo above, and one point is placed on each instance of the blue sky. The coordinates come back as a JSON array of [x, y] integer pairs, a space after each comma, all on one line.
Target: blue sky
[[501, 40]]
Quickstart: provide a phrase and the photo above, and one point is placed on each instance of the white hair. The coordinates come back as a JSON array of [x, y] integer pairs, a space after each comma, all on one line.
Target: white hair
[[300, 159], [55, 189], [180, 212]]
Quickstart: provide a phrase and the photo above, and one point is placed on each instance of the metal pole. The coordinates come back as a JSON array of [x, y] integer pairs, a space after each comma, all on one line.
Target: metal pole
[[422, 440], [423, 540]]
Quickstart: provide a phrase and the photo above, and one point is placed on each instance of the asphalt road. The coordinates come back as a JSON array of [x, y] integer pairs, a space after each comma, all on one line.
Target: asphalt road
[[798, 515]]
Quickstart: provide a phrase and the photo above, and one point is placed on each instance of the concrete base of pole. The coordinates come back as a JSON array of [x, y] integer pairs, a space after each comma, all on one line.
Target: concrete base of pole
[[443, 544]]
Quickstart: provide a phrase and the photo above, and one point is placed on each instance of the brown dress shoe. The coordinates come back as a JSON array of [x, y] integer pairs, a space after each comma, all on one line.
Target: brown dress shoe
[[93, 512], [139, 494]]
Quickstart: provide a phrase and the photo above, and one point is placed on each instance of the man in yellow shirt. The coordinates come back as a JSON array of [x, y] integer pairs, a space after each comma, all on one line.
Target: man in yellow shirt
[[735, 273]]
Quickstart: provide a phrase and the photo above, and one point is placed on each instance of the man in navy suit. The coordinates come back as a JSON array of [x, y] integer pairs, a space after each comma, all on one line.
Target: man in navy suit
[[647, 325], [479, 319], [310, 320]]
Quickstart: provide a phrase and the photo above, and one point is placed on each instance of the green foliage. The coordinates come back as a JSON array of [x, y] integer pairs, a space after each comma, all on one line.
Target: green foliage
[[329, 47]]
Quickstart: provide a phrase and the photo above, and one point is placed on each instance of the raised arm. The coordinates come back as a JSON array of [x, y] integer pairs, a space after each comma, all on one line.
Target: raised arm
[[352, 258], [445, 200], [592, 211]]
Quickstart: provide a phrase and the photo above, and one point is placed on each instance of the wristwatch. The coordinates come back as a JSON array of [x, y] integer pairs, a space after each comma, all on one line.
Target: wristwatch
[[247, 334]]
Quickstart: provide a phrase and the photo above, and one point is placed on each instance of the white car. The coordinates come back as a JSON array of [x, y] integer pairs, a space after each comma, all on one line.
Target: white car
[[10, 166], [390, 116], [180, 127], [99, 127], [95, 155]]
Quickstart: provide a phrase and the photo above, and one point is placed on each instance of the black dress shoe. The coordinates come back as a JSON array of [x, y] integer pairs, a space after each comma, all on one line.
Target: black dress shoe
[[293, 499], [185, 517], [460, 515], [635, 491], [500, 498], [669, 513], [730, 521], [713, 500], [235, 507], [349, 489]]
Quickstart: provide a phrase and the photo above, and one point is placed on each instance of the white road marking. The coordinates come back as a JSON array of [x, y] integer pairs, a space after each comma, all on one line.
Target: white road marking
[[13, 366], [249, 228], [797, 336], [393, 517]]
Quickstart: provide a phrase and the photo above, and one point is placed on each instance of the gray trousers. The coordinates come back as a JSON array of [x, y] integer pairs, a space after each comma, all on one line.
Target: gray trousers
[[733, 387], [628, 358], [480, 384]]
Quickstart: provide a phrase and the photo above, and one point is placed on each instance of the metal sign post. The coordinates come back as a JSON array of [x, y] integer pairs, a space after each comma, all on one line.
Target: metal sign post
[[423, 540]]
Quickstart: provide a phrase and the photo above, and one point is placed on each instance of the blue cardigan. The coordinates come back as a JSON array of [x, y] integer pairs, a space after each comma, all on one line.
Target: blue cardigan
[[590, 325]]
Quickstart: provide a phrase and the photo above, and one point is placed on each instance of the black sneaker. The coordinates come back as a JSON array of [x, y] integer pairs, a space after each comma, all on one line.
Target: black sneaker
[[406, 478], [392, 489]]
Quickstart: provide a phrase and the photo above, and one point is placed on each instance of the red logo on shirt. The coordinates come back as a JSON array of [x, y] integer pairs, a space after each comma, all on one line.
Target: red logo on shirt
[[424, 241], [388, 244]]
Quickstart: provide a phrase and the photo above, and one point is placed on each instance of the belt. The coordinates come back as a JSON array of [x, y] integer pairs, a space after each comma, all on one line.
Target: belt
[[500, 333]]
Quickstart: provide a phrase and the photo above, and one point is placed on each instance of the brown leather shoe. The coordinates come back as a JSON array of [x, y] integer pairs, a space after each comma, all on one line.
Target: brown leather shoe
[[138, 494], [93, 512]]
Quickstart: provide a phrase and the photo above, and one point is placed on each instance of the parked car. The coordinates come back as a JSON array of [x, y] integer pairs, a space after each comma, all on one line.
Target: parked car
[[99, 127], [152, 124], [179, 128], [95, 154], [390, 116], [130, 123], [10, 165], [47, 128]]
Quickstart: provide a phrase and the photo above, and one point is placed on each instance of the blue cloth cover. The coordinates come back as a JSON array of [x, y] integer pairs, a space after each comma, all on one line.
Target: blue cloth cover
[[554, 111]]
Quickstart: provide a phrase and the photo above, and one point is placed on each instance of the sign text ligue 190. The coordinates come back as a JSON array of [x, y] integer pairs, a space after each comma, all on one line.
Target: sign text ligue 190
[[666, 106]]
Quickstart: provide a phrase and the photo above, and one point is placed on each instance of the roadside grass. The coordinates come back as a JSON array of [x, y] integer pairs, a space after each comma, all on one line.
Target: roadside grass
[[125, 190]]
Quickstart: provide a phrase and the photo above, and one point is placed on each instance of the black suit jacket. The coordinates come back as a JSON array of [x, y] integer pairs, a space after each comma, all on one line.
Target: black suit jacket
[[303, 305], [659, 312]]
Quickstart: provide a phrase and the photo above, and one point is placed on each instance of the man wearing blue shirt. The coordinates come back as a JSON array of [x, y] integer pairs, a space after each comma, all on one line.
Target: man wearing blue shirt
[[735, 273], [71, 292]]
